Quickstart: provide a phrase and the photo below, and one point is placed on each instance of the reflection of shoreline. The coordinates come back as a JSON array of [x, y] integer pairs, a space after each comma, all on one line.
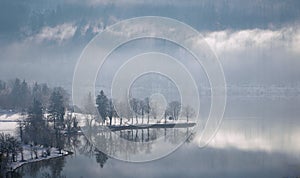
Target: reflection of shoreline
[[146, 126], [136, 145], [208, 162], [15, 165]]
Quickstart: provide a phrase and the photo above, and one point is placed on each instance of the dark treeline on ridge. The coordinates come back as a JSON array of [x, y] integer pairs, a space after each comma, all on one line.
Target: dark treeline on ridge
[[18, 94]]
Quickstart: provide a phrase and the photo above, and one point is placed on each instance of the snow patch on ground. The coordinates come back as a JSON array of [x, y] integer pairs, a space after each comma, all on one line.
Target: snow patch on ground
[[11, 117], [9, 122], [81, 118]]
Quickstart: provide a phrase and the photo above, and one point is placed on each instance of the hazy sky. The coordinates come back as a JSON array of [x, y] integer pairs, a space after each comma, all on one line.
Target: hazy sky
[[41, 40]]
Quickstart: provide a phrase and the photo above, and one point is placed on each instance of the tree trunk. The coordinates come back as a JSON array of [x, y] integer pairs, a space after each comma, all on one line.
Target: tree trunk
[[13, 157], [22, 155], [148, 119], [54, 123], [36, 154], [21, 134]]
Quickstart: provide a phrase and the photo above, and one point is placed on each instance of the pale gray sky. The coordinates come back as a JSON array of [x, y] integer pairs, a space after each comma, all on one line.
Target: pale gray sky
[[41, 40]]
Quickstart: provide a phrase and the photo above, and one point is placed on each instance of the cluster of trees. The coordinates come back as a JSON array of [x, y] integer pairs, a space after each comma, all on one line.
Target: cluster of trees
[[9, 149], [45, 123], [136, 108], [50, 125], [18, 95]]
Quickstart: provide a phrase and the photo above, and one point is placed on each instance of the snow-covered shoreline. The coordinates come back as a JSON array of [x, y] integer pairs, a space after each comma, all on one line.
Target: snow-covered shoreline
[[29, 157], [8, 124]]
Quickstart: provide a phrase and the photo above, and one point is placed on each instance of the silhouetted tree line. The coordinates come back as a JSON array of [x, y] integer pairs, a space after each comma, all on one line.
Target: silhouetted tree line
[[136, 108], [18, 95]]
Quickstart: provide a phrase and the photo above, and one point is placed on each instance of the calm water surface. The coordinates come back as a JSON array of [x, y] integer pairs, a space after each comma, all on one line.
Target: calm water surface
[[259, 137]]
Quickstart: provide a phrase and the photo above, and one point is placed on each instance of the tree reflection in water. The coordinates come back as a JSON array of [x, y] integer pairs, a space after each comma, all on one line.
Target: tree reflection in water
[[81, 144], [50, 168], [129, 143]]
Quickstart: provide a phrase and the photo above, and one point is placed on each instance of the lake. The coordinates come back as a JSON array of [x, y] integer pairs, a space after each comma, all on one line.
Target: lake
[[259, 137]]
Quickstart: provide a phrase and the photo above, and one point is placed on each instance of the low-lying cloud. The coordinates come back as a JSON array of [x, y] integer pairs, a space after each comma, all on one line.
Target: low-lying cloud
[[57, 33], [237, 41]]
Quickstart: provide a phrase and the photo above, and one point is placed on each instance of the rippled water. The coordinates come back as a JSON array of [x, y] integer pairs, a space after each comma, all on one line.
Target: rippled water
[[259, 137]]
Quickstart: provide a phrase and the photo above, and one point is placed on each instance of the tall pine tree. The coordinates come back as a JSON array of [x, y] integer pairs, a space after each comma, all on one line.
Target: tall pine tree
[[102, 105]]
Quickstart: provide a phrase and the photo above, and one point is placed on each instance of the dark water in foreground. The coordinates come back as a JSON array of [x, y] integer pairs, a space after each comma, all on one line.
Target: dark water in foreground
[[258, 138]]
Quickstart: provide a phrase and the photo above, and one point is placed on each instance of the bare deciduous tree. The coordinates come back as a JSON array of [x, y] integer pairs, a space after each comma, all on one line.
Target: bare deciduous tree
[[188, 112]]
